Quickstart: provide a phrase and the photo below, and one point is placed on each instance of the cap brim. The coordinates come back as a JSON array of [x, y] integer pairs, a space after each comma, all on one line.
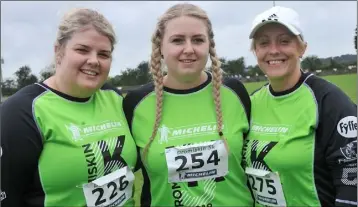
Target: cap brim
[[288, 26]]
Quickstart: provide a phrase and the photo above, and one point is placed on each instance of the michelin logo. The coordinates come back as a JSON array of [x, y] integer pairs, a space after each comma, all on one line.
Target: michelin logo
[[167, 133], [347, 127], [80, 132]]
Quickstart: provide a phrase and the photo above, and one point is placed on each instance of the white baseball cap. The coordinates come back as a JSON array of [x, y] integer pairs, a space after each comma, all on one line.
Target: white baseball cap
[[281, 15]]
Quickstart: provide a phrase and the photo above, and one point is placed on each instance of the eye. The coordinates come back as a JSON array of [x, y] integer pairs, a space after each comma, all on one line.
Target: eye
[[177, 40], [81, 50], [198, 40], [104, 55], [263, 43], [285, 41]]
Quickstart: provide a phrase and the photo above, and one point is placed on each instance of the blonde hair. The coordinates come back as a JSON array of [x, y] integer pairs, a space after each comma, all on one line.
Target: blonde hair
[[80, 18], [183, 9]]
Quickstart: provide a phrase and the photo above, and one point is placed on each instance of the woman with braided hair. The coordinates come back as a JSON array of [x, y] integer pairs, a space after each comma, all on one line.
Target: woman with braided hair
[[189, 125]]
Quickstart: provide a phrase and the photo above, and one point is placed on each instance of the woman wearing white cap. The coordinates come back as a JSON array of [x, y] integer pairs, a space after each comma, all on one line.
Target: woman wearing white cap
[[301, 150]]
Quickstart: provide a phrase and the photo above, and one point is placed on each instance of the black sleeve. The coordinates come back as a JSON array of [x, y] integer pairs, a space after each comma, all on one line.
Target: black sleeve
[[131, 100], [108, 86], [236, 85], [338, 129], [21, 146]]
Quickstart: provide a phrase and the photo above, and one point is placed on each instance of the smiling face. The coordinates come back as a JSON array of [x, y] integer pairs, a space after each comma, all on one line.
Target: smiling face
[[278, 51], [185, 47], [85, 61]]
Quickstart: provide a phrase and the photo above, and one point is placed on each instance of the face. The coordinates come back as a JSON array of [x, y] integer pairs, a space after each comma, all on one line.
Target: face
[[185, 47], [85, 61], [278, 51]]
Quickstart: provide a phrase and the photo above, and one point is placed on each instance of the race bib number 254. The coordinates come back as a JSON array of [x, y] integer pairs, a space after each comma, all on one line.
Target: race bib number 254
[[195, 162]]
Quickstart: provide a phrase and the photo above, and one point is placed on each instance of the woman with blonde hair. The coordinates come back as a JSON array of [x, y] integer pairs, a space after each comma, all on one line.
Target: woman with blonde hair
[[189, 125], [302, 145], [65, 141]]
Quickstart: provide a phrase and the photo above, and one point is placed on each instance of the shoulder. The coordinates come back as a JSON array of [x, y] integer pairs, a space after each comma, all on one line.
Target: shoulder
[[109, 87], [238, 88], [327, 93], [22, 99], [335, 108], [133, 98], [18, 117], [136, 95], [259, 90]]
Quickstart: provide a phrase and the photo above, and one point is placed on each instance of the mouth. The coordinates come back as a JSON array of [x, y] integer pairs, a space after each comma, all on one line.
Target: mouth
[[275, 62], [89, 72], [187, 60]]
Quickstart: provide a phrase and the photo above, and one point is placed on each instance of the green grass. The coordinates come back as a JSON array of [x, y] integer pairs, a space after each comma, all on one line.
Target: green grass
[[348, 83]]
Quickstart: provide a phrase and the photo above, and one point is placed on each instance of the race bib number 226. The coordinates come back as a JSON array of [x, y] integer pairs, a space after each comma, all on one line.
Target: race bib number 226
[[111, 190]]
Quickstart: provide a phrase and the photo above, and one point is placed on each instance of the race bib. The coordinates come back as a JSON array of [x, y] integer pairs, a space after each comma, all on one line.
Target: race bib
[[197, 161], [110, 190], [266, 187]]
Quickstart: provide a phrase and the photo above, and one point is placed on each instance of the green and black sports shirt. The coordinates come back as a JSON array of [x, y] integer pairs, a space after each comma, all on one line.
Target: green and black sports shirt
[[302, 145]]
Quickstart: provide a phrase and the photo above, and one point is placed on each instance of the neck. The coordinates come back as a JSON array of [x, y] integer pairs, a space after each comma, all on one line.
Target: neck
[[56, 83], [184, 84], [287, 82]]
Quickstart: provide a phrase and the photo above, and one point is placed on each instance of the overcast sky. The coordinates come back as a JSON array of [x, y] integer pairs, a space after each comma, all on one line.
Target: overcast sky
[[28, 29]]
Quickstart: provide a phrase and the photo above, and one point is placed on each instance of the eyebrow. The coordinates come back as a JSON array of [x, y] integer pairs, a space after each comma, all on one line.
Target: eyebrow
[[180, 35], [280, 35], [107, 51]]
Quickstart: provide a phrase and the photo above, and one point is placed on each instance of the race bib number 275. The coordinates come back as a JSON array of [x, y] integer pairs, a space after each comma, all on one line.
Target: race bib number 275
[[266, 187], [195, 162]]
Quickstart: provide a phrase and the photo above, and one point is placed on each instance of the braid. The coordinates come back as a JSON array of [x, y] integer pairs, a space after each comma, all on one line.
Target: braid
[[217, 81], [182, 9], [155, 66]]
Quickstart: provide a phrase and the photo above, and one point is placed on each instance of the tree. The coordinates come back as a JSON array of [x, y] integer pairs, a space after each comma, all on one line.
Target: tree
[[47, 72], [8, 87], [334, 64], [224, 66], [114, 81], [143, 75], [311, 63], [234, 67], [129, 77], [135, 76], [24, 77], [254, 71]]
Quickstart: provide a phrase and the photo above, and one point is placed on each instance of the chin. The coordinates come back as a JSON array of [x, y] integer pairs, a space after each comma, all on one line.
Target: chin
[[189, 70], [90, 85], [276, 74]]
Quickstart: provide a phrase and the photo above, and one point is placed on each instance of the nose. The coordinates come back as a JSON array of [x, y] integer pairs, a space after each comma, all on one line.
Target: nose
[[188, 48], [273, 49], [93, 59]]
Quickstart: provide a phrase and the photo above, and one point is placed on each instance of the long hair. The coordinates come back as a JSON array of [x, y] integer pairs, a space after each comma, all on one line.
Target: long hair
[[178, 10]]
